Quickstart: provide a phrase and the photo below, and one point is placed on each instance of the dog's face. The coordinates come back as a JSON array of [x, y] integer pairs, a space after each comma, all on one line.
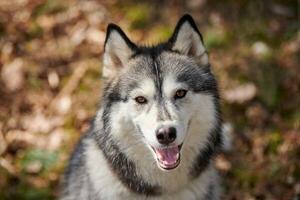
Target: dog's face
[[163, 89]]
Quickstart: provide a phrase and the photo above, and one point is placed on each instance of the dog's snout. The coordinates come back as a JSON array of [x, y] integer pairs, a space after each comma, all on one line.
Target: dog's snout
[[166, 135]]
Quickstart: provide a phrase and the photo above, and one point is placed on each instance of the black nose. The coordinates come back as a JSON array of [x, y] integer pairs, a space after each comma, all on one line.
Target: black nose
[[166, 135]]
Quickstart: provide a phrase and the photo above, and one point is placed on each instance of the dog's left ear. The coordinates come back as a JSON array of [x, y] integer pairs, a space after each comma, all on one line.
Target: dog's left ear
[[117, 51], [187, 40]]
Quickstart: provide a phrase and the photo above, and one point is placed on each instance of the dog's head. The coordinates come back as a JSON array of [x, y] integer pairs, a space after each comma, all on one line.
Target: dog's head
[[166, 91]]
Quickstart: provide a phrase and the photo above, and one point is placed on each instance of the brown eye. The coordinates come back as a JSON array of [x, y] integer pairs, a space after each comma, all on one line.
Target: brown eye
[[180, 94], [141, 100]]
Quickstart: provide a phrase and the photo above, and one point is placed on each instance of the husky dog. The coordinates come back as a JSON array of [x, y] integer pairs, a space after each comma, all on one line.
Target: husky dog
[[159, 126]]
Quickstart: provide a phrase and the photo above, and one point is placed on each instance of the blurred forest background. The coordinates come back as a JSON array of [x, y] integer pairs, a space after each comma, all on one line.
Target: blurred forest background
[[50, 69]]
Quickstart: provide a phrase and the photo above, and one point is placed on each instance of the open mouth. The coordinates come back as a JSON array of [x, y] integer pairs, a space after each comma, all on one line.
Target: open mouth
[[168, 157]]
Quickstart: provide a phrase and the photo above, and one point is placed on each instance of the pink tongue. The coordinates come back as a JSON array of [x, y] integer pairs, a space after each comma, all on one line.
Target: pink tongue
[[168, 156]]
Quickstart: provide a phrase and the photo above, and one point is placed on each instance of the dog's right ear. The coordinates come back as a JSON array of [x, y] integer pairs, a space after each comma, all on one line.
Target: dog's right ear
[[187, 40], [117, 51]]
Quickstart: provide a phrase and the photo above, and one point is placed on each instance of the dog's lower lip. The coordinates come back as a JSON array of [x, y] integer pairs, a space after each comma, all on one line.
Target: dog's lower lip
[[167, 166]]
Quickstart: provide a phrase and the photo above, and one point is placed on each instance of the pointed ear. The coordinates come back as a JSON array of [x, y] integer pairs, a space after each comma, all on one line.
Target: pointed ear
[[117, 51], [187, 40]]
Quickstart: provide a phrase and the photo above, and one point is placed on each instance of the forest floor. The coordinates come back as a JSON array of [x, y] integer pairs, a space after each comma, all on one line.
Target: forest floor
[[50, 69]]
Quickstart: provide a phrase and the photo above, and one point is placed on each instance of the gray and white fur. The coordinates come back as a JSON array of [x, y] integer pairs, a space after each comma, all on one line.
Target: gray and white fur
[[159, 125]]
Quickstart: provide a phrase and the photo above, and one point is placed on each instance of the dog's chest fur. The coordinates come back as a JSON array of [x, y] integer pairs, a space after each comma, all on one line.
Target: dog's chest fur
[[175, 186]]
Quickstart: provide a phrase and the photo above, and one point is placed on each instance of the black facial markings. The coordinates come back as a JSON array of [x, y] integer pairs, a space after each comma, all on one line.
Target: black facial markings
[[131, 86], [158, 77], [199, 80], [164, 114], [124, 168]]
